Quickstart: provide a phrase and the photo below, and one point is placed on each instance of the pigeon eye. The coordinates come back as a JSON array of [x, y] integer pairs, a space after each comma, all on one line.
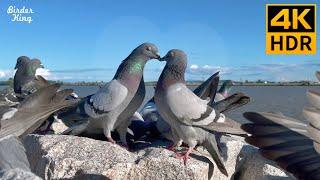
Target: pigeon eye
[[149, 48]]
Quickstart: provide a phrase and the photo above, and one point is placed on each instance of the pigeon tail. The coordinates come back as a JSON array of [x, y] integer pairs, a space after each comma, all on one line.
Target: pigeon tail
[[211, 145]]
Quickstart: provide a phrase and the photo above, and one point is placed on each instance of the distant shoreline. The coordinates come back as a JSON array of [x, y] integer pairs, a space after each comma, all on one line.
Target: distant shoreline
[[190, 83]]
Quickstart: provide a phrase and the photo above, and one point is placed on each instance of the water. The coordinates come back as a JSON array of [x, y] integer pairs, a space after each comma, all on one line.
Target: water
[[286, 99]]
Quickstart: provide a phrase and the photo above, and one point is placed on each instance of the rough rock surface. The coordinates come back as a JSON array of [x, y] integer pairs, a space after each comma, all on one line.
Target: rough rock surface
[[70, 157], [12, 174]]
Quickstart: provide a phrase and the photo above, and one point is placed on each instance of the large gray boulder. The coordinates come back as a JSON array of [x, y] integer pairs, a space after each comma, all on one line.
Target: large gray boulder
[[70, 157], [17, 174]]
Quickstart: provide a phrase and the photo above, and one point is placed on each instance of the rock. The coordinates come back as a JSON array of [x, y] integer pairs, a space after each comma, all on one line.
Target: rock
[[243, 161], [16, 174], [57, 156], [70, 157], [58, 126]]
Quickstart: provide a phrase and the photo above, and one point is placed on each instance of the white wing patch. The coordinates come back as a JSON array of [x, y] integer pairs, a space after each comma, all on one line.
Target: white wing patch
[[187, 106]]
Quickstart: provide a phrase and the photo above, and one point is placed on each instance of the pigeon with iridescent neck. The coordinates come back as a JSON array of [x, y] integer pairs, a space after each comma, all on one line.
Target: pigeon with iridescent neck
[[25, 80], [191, 119], [114, 104]]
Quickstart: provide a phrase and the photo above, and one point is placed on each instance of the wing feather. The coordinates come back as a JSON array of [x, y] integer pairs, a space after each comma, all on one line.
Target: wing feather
[[188, 107], [107, 98]]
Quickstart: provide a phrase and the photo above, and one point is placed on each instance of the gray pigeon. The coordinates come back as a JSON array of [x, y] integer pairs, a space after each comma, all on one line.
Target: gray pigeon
[[191, 119], [33, 111], [293, 144], [114, 104], [25, 81]]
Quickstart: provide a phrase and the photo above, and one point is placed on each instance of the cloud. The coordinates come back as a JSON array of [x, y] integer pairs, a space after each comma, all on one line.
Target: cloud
[[2, 74], [44, 72], [194, 67], [6, 74]]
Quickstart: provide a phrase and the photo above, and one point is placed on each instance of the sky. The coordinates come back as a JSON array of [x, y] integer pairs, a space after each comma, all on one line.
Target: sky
[[82, 40]]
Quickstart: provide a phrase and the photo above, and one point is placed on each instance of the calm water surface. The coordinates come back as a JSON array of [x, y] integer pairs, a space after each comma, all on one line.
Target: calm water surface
[[286, 99]]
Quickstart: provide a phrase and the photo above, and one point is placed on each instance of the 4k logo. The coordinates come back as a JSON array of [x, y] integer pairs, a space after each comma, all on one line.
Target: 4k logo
[[291, 29]]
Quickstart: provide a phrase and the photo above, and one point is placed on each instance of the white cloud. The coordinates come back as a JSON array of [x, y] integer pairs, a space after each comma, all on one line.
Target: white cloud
[[44, 72], [207, 67], [2, 74], [6, 74], [194, 66]]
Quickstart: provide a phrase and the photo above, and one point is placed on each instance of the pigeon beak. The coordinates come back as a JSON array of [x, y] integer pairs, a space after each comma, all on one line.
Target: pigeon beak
[[162, 59], [158, 56]]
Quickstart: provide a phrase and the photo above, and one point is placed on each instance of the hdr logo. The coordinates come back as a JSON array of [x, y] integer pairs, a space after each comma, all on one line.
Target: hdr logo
[[291, 29]]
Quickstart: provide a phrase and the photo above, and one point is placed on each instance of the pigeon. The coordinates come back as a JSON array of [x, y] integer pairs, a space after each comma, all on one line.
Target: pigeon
[[293, 144], [33, 111], [112, 106], [191, 119], [25, 80], [207, 91], [223, 91]]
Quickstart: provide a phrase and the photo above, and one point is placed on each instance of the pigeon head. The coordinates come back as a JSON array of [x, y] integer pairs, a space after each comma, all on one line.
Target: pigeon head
[[37, 63], [146, 51], [175, 67], [176, 58], [22, 61], [135, 62]]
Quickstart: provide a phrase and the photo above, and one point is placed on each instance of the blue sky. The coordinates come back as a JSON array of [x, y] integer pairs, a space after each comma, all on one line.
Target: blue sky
[[86, 40]]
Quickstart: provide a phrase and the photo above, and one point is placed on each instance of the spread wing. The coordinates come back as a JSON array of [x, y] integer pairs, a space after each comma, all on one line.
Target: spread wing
[[33, 85], [286, 141], [188, 107], [34, 110], [106, 99]]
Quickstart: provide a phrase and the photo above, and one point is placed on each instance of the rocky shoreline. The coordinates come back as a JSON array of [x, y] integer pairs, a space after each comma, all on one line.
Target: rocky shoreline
[[71, 157]]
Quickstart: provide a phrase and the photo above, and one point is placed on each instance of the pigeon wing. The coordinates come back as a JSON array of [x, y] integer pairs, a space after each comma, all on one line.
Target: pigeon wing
[[284, 140], [188, 107], [313, 116], [35, 109], [208, 88], [106, 99]]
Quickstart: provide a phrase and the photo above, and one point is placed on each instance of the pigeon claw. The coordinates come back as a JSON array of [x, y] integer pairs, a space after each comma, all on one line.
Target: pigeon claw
[[171, 147], [184, 156], [111, 140]]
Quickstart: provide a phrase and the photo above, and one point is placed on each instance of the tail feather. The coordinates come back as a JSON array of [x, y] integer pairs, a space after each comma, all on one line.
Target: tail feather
[[211, 145]]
